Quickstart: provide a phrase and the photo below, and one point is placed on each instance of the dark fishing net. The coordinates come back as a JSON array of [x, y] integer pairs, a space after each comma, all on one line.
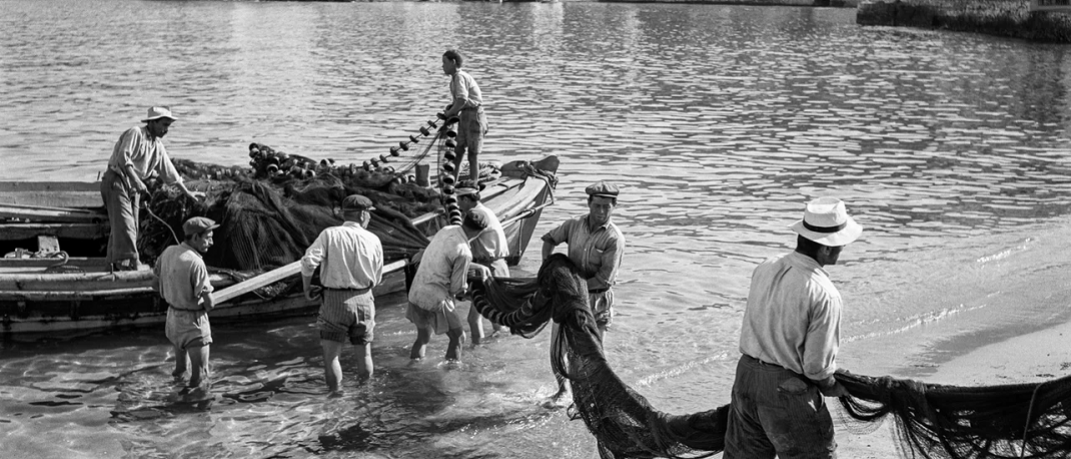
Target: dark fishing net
[[934, 421]]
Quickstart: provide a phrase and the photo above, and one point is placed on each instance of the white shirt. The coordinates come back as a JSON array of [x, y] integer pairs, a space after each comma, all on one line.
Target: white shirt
[[793, 316], [443, 269], [352, 257]]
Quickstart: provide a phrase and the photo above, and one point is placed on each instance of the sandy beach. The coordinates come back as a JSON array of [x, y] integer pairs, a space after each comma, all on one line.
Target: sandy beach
[[1030, 358]]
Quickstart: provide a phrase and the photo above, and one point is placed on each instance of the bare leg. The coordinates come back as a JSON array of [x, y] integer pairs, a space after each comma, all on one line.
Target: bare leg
[[199, 364], [457, 337], [420, 346], [364, 362], [459, 152], [332, 368], [474, 165], [181, 363], [475, 325]]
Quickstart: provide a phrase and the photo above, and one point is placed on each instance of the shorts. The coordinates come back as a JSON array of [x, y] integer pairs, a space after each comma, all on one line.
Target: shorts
[[602, 307], [470, 130], [772, 415], [441, 320], [186, 329], [347, 314]]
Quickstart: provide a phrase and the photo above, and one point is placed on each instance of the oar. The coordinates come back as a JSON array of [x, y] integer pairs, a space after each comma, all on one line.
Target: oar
[[277, 275]]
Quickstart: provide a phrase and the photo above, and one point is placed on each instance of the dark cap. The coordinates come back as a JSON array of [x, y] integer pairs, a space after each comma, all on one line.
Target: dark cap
[[198, 225], [476, 219], [357, 202], [602, 189]]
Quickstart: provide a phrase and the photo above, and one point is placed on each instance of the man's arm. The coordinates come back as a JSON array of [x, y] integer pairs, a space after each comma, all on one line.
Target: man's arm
[[313, 256], [611, 261]]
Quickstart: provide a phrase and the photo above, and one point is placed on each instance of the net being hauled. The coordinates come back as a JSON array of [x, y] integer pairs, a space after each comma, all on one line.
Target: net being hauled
[[932, 421]]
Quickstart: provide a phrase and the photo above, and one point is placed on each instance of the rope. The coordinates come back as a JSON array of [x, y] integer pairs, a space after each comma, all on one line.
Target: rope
[[1029, 414], [153, 215]]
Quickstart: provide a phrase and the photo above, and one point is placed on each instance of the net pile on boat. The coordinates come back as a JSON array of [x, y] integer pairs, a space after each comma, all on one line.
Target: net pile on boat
[[933, 421]]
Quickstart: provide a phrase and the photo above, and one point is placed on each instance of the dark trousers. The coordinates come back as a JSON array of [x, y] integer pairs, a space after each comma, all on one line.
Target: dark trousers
[[777, 412], [122, 204]]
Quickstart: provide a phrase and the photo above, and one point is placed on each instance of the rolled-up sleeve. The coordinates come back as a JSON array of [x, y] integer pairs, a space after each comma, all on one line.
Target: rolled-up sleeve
[[559, 234], [823, 338], [199, 280], [313, 256], [123, 155], [459, 276], [166, 168]]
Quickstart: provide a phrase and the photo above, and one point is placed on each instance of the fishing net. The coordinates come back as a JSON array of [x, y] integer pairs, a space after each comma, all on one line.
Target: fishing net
[[933, 421]]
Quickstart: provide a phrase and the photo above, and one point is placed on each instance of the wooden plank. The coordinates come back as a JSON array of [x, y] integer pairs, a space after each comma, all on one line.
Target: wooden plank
[[277, 275], [57, 187], [19, 231], [74, 295]]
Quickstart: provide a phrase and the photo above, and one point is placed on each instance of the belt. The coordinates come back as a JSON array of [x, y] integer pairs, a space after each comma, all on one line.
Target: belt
[[355, 290], [596, 291], [768, 364], [184, 309]]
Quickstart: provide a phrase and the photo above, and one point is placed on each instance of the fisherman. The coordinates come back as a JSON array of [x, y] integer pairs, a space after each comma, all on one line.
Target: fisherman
[[789, 341], [181, 278], [466, 102], [137, 157], [441, 280], [351, 264], [596, 247], [489, 249]]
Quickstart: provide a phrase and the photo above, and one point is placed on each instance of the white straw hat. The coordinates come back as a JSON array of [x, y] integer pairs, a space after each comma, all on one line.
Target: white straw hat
[[826, 221], [158, 112]]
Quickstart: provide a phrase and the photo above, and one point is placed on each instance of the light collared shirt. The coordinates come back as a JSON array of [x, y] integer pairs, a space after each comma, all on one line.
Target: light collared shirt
[[491, 244], [463, 88], [597, 251], [349, 257], [793, 316], [443, 269], [183, 277], [137, 148]]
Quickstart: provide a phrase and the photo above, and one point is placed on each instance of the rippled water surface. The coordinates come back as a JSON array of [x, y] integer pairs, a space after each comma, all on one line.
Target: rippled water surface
[[719, 122]]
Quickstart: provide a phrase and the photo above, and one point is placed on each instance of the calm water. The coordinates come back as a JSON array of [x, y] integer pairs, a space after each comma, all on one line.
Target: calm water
[[719, 121]]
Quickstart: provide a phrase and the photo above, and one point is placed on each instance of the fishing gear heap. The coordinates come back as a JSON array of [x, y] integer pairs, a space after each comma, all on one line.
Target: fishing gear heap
[[272, 210], [933, 421]]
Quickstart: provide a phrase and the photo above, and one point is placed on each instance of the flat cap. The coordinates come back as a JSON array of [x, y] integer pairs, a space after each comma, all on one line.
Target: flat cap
[[357, 202], [602, 189], [476, 219], [198, 225]]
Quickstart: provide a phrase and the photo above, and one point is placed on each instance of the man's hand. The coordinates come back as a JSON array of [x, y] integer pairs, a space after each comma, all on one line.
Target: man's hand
[[196, 195], [313, 292], [479, 272], [836, 390]]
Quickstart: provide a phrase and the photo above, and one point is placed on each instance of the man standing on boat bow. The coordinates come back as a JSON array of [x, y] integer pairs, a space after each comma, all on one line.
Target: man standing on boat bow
[[138, 156], [789, 341], [182, 279], [351, 264], [466, 103]]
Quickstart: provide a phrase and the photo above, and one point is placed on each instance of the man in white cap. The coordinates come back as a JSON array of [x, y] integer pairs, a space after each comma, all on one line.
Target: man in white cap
[[489, 249], [350, 259], [789, 341], [138, 156], [182, 280]]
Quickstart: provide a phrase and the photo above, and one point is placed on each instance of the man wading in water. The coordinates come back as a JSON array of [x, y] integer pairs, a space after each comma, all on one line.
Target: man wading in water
[[138, 156], [596, 247], [789, 342]]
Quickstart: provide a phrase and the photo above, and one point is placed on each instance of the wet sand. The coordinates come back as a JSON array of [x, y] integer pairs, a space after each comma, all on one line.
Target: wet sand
[[1029, 358]]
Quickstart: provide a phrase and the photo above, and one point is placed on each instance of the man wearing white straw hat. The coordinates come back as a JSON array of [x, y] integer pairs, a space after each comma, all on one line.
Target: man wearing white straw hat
[[789, 341], [138, 156]]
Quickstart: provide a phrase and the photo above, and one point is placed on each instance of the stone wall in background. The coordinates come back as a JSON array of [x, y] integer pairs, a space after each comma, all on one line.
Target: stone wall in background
[[1011, 18]]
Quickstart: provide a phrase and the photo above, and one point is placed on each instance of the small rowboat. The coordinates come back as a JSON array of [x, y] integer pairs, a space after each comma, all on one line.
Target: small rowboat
[[67, 289]]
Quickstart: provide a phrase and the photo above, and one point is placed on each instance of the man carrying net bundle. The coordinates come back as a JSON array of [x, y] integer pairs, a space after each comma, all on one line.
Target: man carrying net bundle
[[789, 341]]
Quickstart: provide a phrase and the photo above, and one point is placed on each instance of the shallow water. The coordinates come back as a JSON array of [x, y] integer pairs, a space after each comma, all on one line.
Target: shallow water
[[719, 121]]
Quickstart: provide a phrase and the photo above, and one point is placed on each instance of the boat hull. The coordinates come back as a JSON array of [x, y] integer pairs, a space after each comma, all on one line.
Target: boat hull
[[58, 298]]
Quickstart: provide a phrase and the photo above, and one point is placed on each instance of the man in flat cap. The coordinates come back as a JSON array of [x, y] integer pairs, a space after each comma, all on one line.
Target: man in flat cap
[[789, 341], [490, 248], [182, 279], [441, 280], [350, 259], [138, 156], [596, 246]]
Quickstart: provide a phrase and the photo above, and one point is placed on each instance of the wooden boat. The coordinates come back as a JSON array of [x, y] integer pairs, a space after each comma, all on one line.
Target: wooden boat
[[63, 295]]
